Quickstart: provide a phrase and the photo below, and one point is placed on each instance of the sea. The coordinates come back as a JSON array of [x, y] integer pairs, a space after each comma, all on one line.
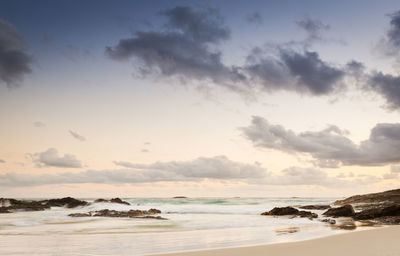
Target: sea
[[192, 224]]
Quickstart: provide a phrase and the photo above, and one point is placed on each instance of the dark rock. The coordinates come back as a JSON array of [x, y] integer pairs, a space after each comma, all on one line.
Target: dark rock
[[4, 210], [344, 211], [307, 214], [10, 205], [315, 207], [80, 214], [119, 201], [68, 202], [113, 200], [330, 221], [151, 217], [279, 211], [121, 214], [101, 200], [392, 196], [372, 213]]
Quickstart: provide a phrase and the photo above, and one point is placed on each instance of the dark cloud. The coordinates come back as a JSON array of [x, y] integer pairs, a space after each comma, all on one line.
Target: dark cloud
[[329, 146], [255, 18], [39, 124], [313, 27], [2, 161], [388, 86], [183, 49], [50, 158], [77, 136], [390, 43], [292, 70], [14, 60]]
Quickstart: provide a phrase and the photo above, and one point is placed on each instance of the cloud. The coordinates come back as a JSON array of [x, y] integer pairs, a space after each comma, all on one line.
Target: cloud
[[393, 174], [329, 146], [313, 27], [390, 43], [255, 18], [182, 49], [388, 86], [290, 70], [2, 161], [219, 168], [14, 60], [39, 124], [77, 136], [50, 158], [124, 164], [215, 168]]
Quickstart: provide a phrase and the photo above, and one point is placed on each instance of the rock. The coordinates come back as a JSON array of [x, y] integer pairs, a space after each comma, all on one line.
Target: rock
[[119, 201], [179, 197], [372, 213], [113, 200], [121, 214], [4, 210], [344, 211], [10, 205], [307, 214], [101, 200], [154, 211], [68, 202], [392, 196], [330, 221], [278, 211], [80, 214], [151, 217], [315, 207]]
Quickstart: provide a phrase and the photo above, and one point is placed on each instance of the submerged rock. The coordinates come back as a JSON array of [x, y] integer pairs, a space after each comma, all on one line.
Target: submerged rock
[[344, 211], [330, 221], [121, 214]]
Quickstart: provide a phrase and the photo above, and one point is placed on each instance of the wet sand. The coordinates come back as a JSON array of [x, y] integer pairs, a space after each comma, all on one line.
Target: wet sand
[[373, 242]]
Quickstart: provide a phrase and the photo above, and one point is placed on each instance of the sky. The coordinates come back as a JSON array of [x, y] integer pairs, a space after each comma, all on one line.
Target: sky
[[199, 98]]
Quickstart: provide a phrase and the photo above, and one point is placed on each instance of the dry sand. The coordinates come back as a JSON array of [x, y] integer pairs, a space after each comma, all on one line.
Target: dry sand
[[375, 242]]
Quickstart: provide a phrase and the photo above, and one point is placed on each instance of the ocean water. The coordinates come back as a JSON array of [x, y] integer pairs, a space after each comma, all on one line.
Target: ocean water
[[193, 224]]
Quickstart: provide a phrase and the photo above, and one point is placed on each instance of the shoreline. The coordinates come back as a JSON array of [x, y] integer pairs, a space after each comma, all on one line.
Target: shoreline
[[371, 242]]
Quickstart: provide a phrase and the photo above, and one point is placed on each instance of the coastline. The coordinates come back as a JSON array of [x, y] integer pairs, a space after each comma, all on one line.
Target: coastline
[[372, 242]]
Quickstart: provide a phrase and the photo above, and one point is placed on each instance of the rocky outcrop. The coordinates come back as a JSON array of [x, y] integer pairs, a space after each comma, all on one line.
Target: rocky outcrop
[[315, 207], [121, 214], [392, 196], [9, 205], [373, 213], [68, 202], [344, 211], [281, 211], [113, 200]]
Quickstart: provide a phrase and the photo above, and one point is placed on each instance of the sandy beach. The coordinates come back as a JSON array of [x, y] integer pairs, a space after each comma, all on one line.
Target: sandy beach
[[374, 242]]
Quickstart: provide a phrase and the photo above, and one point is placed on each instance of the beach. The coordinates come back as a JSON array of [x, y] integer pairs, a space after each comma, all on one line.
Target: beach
[[374, 242]]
